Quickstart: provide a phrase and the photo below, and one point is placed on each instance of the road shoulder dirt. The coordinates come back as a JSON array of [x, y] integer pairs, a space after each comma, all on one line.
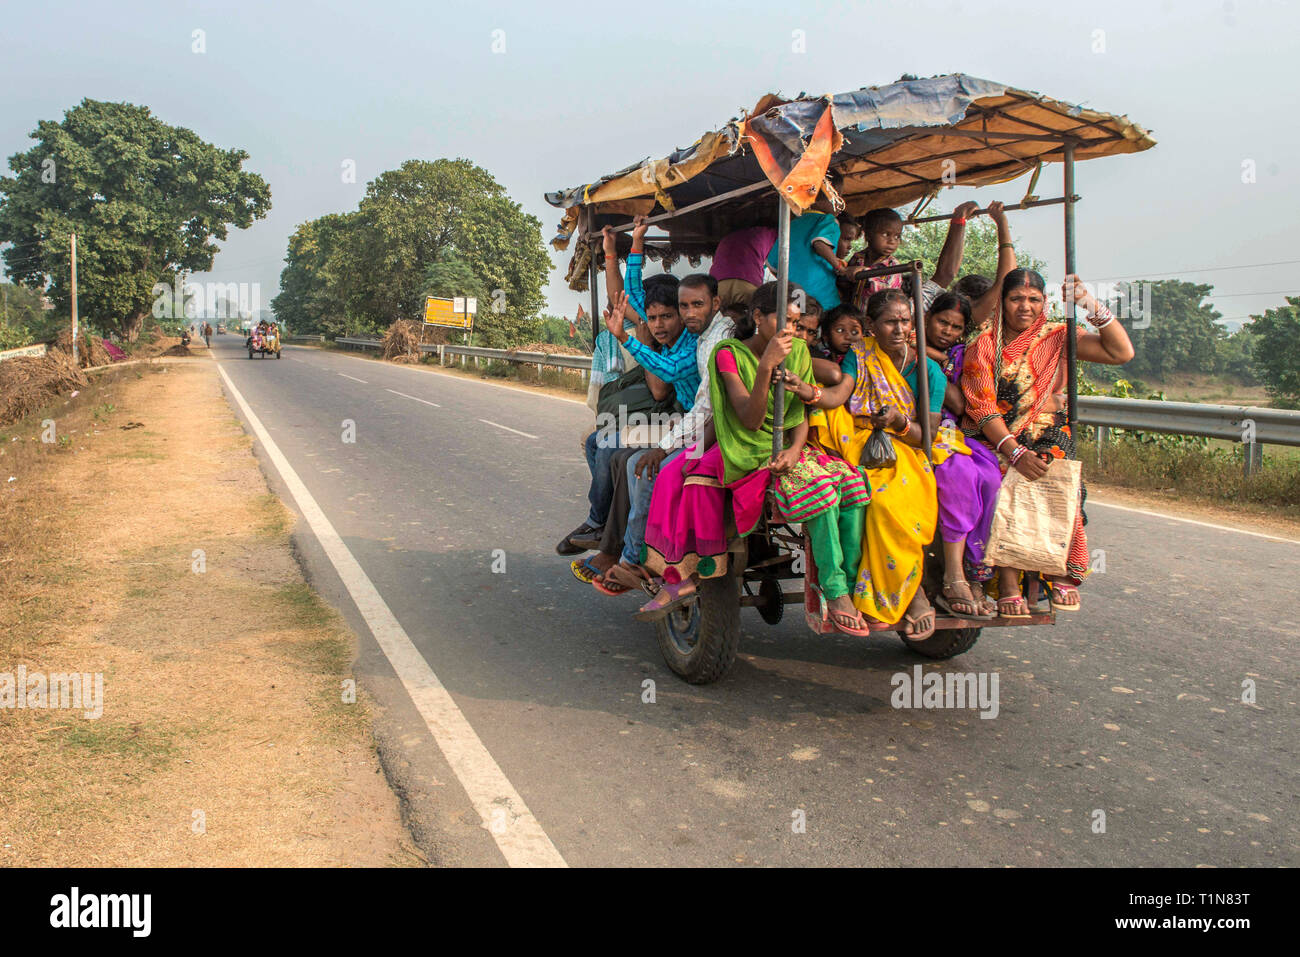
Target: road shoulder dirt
[[143, 545]]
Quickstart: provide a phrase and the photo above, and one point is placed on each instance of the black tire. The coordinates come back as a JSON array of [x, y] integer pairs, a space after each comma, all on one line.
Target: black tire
[[699, 643], [948, 643]]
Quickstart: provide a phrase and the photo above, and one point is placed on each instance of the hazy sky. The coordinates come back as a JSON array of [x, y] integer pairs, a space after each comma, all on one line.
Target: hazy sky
[[582, 89]]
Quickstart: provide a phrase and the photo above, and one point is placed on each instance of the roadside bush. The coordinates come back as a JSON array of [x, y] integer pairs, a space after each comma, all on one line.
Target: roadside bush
[[1199, 472]]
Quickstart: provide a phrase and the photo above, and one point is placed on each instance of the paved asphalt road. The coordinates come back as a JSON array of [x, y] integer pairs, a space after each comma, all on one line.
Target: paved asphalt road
[[1133, 708]]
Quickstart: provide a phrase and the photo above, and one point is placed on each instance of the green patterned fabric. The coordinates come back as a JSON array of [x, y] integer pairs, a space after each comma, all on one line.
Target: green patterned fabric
[[745, 450]]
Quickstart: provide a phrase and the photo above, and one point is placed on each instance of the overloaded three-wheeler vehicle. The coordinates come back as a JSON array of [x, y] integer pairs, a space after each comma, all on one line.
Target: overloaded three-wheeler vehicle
[[264, 341], [888, 146]]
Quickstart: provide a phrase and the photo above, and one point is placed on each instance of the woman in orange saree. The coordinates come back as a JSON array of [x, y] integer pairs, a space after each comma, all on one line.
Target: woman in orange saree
[[1013, 379]]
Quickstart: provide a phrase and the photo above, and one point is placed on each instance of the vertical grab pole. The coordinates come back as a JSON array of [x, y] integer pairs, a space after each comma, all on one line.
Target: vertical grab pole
[[1071, 339], [595, 310], [782, 307], [584, 225], [922, 366]]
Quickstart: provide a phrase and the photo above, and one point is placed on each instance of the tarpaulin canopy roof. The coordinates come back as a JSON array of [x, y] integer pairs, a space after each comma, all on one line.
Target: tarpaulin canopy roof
[[888, 146]]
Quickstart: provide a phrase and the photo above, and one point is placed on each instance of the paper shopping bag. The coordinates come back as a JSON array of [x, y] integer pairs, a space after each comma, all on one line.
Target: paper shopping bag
[[1033, 521]]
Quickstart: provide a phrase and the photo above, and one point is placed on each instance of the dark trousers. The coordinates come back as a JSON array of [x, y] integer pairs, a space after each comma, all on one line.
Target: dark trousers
[[611, 542]]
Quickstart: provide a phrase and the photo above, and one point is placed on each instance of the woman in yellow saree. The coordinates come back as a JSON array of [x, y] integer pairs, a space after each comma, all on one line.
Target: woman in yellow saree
[[904, 510]]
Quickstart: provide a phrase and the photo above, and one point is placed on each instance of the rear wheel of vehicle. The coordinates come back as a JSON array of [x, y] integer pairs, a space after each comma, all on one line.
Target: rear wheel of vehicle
[[699, 643], [945, 644]]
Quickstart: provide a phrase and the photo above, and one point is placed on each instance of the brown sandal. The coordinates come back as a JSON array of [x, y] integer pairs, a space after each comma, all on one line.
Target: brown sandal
[[949, 602]]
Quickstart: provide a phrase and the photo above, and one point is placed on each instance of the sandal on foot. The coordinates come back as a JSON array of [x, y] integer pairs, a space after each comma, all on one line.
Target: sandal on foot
[[629, 577], [955, 605], [847, 624], [1015, 602], [916, 634], [668, 599], [607, 586], [584, 570], [1062, 590]]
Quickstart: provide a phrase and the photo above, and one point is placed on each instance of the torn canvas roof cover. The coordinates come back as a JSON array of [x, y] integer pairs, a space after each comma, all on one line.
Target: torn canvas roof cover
[[887, 146]]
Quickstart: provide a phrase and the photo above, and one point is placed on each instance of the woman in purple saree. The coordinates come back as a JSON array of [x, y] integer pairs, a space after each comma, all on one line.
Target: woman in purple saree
[[967, 484]]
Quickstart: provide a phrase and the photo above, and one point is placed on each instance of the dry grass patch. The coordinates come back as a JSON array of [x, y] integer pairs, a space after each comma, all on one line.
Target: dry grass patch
[[156, 556]]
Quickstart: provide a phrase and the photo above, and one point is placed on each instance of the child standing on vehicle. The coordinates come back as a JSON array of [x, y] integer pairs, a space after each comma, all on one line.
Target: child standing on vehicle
[[883, 229]]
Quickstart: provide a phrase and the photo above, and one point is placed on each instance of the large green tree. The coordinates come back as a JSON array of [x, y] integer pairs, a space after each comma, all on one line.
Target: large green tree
[[443, 228], [147, 200], [319, 285], [415, 216], [1277, 352], [1179, 335], [1234, 356]]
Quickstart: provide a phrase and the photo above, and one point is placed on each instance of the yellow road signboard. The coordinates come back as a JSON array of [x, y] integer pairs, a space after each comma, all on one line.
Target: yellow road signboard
[[442, 312]]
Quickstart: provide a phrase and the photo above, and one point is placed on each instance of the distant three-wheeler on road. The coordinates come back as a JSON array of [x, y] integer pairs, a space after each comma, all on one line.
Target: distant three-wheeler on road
[[887, 146]]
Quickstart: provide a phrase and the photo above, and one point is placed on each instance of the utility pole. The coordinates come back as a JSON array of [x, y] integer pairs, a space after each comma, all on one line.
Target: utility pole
[[74, 299]]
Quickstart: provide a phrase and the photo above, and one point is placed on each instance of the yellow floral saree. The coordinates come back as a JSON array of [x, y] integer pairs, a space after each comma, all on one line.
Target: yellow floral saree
[[904, 510]]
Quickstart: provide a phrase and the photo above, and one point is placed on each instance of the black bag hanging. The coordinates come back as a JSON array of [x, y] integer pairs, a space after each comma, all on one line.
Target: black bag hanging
[[879, 450]]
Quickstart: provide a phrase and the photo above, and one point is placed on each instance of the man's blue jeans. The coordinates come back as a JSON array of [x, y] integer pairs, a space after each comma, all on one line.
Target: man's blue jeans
[[601, 492]]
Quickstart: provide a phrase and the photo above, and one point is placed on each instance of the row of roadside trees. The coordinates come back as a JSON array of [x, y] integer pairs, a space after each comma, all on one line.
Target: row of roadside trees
[[443, 228], [1179, 333]]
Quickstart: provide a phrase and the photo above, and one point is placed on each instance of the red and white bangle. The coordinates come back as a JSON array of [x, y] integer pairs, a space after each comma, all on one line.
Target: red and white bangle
[[1017, 453], [998, 447], [1101, 317], [816, 396]]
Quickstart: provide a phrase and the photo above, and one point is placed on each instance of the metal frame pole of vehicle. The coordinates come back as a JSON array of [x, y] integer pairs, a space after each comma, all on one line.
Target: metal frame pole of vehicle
[[595, 310], [1071, 339], [922, 360], [782, 297]]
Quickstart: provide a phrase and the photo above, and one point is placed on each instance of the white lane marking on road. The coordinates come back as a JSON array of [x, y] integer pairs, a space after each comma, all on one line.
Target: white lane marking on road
[[527, 435], [405, 396], [1191, 521], [353, 378], [521, 839], [456, 378]]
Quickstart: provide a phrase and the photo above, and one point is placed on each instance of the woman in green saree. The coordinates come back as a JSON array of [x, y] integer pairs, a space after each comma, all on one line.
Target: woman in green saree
[[825, 495]]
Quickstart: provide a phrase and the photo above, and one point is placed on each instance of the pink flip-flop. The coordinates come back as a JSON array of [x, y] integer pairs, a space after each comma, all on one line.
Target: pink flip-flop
[[855, 630]]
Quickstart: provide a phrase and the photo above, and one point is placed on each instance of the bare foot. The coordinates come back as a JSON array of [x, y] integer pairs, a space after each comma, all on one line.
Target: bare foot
[[602, 562]]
